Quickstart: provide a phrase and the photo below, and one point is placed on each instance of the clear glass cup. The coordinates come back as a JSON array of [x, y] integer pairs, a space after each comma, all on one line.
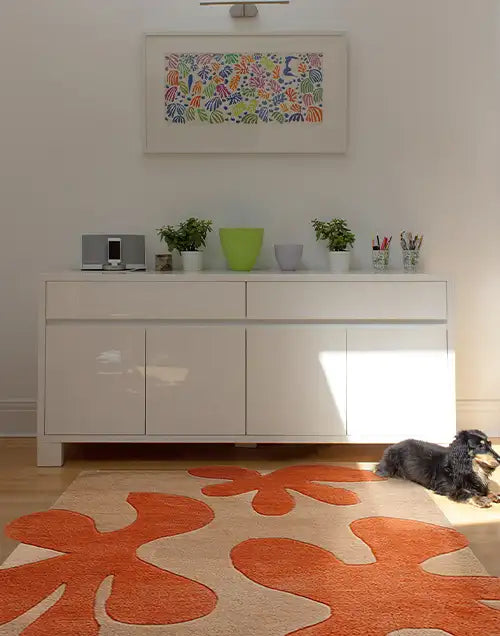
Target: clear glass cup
[[380, 260], [410, 260]]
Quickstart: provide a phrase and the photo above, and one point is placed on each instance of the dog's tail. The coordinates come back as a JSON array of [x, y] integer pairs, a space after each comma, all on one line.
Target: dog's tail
[[387, 467]]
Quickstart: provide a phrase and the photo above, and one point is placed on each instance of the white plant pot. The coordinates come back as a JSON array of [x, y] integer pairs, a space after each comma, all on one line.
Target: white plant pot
[[192, 261], [339, 262]]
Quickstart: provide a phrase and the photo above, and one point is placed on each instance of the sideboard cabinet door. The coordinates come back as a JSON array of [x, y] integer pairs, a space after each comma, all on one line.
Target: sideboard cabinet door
[[296, 380], [195, 380], [94, 380], [399, 383]]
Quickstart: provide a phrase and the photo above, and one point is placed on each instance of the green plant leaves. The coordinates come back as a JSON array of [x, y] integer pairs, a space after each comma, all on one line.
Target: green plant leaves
[[184, 68], [252, 106], [202, 114], [190, 113], [306, 86], [183, 87], [279, 117], [188, 236], [336, 232], [217, 117], [267, 63], [209, 90], [246, 91], [231, 58], [318, 95], [239, 108], [250, 118]]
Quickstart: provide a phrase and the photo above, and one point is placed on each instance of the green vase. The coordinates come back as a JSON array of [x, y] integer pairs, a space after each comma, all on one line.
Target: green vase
[[241, 246]]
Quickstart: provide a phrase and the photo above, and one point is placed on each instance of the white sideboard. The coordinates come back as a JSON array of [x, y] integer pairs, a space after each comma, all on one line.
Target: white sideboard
[[243, 358]]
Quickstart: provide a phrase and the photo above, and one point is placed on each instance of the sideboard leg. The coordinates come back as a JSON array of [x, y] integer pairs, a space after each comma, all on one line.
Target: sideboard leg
[[50, 453]]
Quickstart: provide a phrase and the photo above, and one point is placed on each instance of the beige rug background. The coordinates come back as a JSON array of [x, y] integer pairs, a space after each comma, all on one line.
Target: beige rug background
[[244, 608]]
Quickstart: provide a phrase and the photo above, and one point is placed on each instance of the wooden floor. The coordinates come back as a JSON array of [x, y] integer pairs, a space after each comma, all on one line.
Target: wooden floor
[[24, 488]]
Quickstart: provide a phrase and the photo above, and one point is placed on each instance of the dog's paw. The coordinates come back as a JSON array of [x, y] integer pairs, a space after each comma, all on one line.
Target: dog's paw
[[380, 470], [494, 497], [481, 502]]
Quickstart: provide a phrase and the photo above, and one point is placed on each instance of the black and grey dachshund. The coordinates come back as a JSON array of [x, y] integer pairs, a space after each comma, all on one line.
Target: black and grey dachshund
[[460, 471]]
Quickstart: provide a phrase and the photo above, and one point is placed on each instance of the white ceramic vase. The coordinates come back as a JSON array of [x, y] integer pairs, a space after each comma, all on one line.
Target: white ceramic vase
[[192, 261], [339, 262]]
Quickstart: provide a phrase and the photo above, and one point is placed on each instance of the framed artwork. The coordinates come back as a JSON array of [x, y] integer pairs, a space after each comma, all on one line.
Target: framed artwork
[[265, 93]]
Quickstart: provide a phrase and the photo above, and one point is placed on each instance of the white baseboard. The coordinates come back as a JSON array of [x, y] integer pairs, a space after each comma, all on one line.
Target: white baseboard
[[17, 418], [481, 414]]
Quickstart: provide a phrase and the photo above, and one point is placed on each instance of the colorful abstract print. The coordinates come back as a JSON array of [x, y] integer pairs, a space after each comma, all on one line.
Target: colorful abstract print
[[237, 88]]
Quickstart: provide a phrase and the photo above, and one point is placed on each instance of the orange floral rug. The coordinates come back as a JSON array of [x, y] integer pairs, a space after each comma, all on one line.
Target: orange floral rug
[[314, 550]]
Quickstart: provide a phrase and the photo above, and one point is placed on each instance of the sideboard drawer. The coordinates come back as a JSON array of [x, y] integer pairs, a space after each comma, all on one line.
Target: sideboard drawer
[[145, 300], [353, 300]]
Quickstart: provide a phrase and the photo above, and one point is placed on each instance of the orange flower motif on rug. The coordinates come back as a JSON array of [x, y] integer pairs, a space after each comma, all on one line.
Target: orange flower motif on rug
[[272, 496], [142, 594], [378, 598]]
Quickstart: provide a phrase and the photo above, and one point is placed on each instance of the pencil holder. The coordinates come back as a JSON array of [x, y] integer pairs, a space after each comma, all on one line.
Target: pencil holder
[[410, 260], [380, 260]]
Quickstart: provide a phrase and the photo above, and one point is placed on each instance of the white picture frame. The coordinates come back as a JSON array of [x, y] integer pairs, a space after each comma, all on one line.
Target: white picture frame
[[322, 129]]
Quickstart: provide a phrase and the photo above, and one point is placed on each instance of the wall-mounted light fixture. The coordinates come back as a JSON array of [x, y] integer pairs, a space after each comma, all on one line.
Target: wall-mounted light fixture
[[241, 8]]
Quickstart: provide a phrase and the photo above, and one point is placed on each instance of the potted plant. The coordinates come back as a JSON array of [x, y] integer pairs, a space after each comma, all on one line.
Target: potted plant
[[187, 238], [339, 238]]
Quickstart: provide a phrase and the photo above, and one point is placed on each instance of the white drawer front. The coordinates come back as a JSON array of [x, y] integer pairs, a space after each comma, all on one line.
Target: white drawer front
[[155, 300], [347, 300]]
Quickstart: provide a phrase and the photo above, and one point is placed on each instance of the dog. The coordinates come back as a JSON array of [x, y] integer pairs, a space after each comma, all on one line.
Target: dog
[[460, 471]]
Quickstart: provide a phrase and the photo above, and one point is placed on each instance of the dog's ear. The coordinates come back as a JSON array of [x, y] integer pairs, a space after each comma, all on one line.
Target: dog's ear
[[463, 437], [461, 451], [471, 433], [466, 441]]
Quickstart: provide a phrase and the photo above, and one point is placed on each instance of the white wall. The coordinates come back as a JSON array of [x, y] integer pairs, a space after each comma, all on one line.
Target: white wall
[[424, 154]]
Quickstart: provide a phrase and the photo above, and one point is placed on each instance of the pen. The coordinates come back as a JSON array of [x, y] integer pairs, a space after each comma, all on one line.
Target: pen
[[410, 242]]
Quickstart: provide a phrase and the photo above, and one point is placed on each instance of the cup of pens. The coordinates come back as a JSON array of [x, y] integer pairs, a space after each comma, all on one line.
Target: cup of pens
[[380, 253], [411, 250]]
